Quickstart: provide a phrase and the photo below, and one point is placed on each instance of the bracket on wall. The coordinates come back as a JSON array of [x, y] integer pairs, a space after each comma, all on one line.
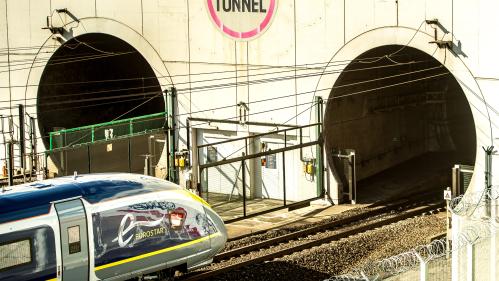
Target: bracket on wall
[[67, 12], [58, 29], [440, 43], [243, 113], [443, 43]]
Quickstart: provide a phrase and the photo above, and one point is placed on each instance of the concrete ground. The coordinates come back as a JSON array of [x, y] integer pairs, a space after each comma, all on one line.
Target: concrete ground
[[317, 211]]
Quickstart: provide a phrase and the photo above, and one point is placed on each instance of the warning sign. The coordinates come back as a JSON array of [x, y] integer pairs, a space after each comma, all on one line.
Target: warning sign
[[270, 162], [447, 195]]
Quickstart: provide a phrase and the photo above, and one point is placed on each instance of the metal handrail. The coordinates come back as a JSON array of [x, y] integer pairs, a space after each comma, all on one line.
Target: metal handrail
[[93, 127], [258, 135]]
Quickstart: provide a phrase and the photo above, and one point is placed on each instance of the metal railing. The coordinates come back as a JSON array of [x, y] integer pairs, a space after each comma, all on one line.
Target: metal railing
[[230, 179], [123, 128]]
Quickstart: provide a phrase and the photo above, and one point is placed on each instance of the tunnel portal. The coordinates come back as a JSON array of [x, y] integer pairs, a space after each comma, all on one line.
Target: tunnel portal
[[95, 78], [406, 118]]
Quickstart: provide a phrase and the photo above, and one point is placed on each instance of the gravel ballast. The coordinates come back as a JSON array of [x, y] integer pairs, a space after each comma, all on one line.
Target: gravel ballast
[[341, 256]]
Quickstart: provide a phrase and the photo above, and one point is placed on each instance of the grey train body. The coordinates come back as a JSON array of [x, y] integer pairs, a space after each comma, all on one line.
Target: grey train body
[[104, 227]]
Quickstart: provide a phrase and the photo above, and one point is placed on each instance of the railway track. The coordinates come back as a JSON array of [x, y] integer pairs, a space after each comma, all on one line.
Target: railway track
[[309, 238]]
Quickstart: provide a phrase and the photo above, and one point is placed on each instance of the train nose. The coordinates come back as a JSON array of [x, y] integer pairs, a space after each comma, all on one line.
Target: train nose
[[219, 238]]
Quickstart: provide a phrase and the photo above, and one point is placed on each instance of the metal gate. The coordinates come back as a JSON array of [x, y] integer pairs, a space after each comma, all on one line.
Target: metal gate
[[261, 173]]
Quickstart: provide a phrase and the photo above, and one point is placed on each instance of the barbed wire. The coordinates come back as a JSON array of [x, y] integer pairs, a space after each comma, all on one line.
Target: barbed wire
[[410, 260], [466, 205]]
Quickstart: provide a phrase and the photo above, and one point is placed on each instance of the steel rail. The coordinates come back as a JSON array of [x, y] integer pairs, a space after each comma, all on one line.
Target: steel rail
[[342, 234], [302, 233]]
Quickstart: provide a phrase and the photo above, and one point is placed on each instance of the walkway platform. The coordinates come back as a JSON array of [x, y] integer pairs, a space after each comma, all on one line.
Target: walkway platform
[[433, 173], [317, 211]]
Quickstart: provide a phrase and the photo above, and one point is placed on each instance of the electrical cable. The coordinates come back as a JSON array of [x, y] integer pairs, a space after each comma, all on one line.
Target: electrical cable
[[337, 97], [66, 62], [68, 59], [292, 68], [244, 82], [362, 92], [221, 86], [261, 66], [269, 99], [309, 103]]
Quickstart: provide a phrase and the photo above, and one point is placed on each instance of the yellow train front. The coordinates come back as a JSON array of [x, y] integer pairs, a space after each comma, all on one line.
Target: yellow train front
[[104, 226]]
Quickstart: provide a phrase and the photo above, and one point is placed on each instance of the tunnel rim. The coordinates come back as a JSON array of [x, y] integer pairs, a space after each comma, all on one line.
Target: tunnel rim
[[116, 41], [410, 50], [419, 40], [106, 26]]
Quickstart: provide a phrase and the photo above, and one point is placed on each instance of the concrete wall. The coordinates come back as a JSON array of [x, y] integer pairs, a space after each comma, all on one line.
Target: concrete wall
[[185, 49], [178, 39], [180, 42]]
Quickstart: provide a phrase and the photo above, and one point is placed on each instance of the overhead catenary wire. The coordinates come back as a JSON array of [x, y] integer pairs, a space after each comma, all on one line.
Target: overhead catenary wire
[[362, 92], [245, 83], [146, 95], [333, 98], [157, 94], [35, 60], [311, 103], [66, 62], [308, 66], [70, 59], [302, 104], [224, 85], [221, 86]]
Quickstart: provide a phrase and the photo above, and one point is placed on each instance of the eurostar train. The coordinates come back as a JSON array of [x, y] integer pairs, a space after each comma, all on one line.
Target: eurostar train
[[104, 227]]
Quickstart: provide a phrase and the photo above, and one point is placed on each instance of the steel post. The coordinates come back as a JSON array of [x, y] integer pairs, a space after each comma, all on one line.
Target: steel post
[[10, 162], [33, 142], [129, 155], [146, 166], [488, 177], [353, 177], [150, 141], [22, 147], [244, 184], [319, 149], [423, 268], [88, 158], [172, 134], [470, 261], [22, 142], [284, 176]]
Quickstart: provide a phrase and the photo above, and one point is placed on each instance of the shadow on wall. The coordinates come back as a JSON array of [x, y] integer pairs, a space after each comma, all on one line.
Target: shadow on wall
[[393, 109]]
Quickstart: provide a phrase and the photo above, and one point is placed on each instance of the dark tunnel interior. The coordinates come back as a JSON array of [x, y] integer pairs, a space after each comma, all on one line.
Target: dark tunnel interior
[[95, 78], [404, 115]]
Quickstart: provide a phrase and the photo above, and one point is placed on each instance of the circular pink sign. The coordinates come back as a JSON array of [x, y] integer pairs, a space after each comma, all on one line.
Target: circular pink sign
[[242, 19]]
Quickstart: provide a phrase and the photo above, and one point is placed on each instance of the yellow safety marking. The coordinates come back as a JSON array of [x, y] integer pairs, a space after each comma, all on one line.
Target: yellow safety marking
[[53, 279], [150, 254], [195, 197]]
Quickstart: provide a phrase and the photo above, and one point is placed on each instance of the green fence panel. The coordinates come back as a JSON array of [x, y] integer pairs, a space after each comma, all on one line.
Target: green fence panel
[[117, 129]]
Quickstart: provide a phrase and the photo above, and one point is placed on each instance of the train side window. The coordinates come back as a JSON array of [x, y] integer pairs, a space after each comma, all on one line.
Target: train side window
[[74, 239], [15, 253]]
